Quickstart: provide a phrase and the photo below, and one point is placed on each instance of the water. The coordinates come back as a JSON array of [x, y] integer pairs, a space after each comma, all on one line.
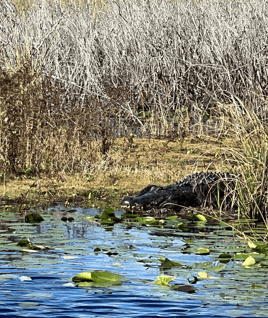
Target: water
[[40, 284]]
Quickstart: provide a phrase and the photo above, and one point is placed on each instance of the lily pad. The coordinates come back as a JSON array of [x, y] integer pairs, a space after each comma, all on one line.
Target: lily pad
[[249, 261], [209, 266], [202, 251], [182, 226], [200, 217], [108, 217], [167, 264], [240, 256], [203, 275], [164, 280], [107, 277], [83, 277], [172, 218], [261, 248], [225, 257], [148, 220], [99, 278], [33, 218], [183, 288], [252, 245], [25, 243]]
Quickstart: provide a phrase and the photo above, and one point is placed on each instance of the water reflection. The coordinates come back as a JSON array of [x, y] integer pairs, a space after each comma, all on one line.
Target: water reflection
[[85, 245]]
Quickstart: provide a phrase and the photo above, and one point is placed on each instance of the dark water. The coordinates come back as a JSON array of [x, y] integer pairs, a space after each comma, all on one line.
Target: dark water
[[40, 284]]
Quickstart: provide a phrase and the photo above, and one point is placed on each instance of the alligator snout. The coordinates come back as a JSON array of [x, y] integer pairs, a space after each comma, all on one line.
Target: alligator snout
[[129, 203], [126, 202]]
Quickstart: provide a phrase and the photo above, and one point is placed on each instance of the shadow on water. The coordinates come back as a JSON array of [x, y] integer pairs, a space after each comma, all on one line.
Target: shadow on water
[[38, 283]]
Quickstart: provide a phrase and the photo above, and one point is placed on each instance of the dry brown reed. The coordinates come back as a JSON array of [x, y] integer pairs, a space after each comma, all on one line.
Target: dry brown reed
[[75, 75], [40, 133], [157, 62]]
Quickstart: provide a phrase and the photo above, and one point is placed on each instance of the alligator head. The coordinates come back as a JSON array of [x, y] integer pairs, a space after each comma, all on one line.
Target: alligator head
[[157, 197], [148, 198]]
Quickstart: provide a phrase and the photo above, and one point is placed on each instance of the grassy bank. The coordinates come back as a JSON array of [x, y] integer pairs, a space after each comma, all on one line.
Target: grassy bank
[[123, 94], [132, 164]]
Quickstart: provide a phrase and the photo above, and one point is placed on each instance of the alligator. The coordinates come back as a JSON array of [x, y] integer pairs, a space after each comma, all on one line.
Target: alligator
[[216, 189]]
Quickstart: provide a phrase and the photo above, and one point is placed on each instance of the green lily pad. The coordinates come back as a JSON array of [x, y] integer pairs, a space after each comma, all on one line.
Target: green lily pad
[[33, 218], [163, 280], [108, 221], [261, 248], [200, 217], [209, 267], [103, 278], [149, 220], [225, 257], [25, 243], [264, 263], [218, 268], [72, 210], [130, 216], [182, 226], [202, 251], [107, 213], [108, 217], [258, 256], [249, 261], [240, 256], [107, 277], [172, 218], [167, 264], [203, 275], [82, 277]]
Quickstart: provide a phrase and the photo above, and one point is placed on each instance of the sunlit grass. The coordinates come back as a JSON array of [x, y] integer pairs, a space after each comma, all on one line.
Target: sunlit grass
[[249, 158]]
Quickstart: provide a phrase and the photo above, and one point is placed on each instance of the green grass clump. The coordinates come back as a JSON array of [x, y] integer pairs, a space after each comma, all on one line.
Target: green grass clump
[[249, 159]]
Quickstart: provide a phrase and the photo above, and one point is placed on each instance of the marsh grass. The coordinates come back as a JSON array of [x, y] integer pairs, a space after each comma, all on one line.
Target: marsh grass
[[39, 134], [76, 75], [248, 158]]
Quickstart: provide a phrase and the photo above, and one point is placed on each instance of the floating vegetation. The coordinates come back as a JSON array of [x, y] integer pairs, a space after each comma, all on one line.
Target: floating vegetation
[[33, 218], [134, 257], [98, 278]]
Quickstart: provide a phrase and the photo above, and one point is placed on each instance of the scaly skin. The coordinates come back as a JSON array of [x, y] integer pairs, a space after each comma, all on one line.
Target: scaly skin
[[196, 190]]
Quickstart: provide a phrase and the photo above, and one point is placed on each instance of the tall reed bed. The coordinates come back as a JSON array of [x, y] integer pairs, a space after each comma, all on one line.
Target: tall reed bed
[[158, 62], [74, 75]]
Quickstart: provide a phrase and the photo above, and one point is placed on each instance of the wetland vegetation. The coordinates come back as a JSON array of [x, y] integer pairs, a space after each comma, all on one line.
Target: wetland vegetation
[[122, 94], [98, 99], [117, 95]]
